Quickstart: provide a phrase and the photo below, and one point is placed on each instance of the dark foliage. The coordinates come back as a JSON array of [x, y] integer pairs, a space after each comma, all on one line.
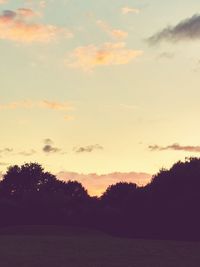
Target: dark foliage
[[167, 208]]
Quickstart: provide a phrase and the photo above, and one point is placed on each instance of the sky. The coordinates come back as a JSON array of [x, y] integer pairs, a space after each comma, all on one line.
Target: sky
[[100, 91]]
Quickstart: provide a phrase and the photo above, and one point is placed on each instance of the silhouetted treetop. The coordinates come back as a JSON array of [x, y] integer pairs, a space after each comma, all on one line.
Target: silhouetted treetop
[[75, 190], [116, 194], [30, 177], [181, 175]]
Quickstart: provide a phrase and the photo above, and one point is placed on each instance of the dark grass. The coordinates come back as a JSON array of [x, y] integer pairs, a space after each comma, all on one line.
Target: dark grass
[[42, 246]]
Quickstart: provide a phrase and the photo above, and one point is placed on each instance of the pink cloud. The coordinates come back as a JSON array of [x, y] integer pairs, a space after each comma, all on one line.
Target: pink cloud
[[45, 104], [91, 56], [114, 33], [97, 184], [26, 12], [3, 2], [55, 105], [26, 104], [15, 27], [127, 10]]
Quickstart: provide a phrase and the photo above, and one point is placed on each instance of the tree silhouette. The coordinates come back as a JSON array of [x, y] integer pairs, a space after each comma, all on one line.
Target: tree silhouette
[[117, 194], [167, 207], [29, 178]]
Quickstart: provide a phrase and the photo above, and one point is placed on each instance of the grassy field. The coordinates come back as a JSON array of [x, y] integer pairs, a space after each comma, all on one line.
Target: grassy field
[[64, 247]]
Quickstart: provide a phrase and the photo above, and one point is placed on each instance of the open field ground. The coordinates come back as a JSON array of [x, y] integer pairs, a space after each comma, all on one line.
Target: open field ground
[[65, 247]]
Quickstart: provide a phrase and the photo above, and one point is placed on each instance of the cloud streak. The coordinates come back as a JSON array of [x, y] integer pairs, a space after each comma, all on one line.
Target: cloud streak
[[26, 13], [91, 56], [129, 10], [44, 104], [55, 105], [187, 29], [114, 33], [28, 104], [176, 147], [88, 149], [6, 150], [27, 153]]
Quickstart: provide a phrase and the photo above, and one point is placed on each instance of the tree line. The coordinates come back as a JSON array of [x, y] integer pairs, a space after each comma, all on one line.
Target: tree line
[[166, 208]]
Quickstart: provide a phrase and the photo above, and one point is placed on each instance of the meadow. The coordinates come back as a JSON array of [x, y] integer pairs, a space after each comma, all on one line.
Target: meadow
[[33, 246]]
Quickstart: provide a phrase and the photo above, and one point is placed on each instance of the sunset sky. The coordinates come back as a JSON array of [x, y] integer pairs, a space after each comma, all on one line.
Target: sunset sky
[[99, 86]]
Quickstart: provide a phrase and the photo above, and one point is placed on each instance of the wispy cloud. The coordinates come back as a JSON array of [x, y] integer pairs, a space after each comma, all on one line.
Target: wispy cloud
[[27, 153], [44, 104], [28, 104], [55, 105], [15, 26], [91, 56], [25, 104], [114, 33], [48, 141], [166, 55], [88, 149], [129, 10], [188, 29], [176, 147], [49, 147], [6, 150], [26, 13]]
